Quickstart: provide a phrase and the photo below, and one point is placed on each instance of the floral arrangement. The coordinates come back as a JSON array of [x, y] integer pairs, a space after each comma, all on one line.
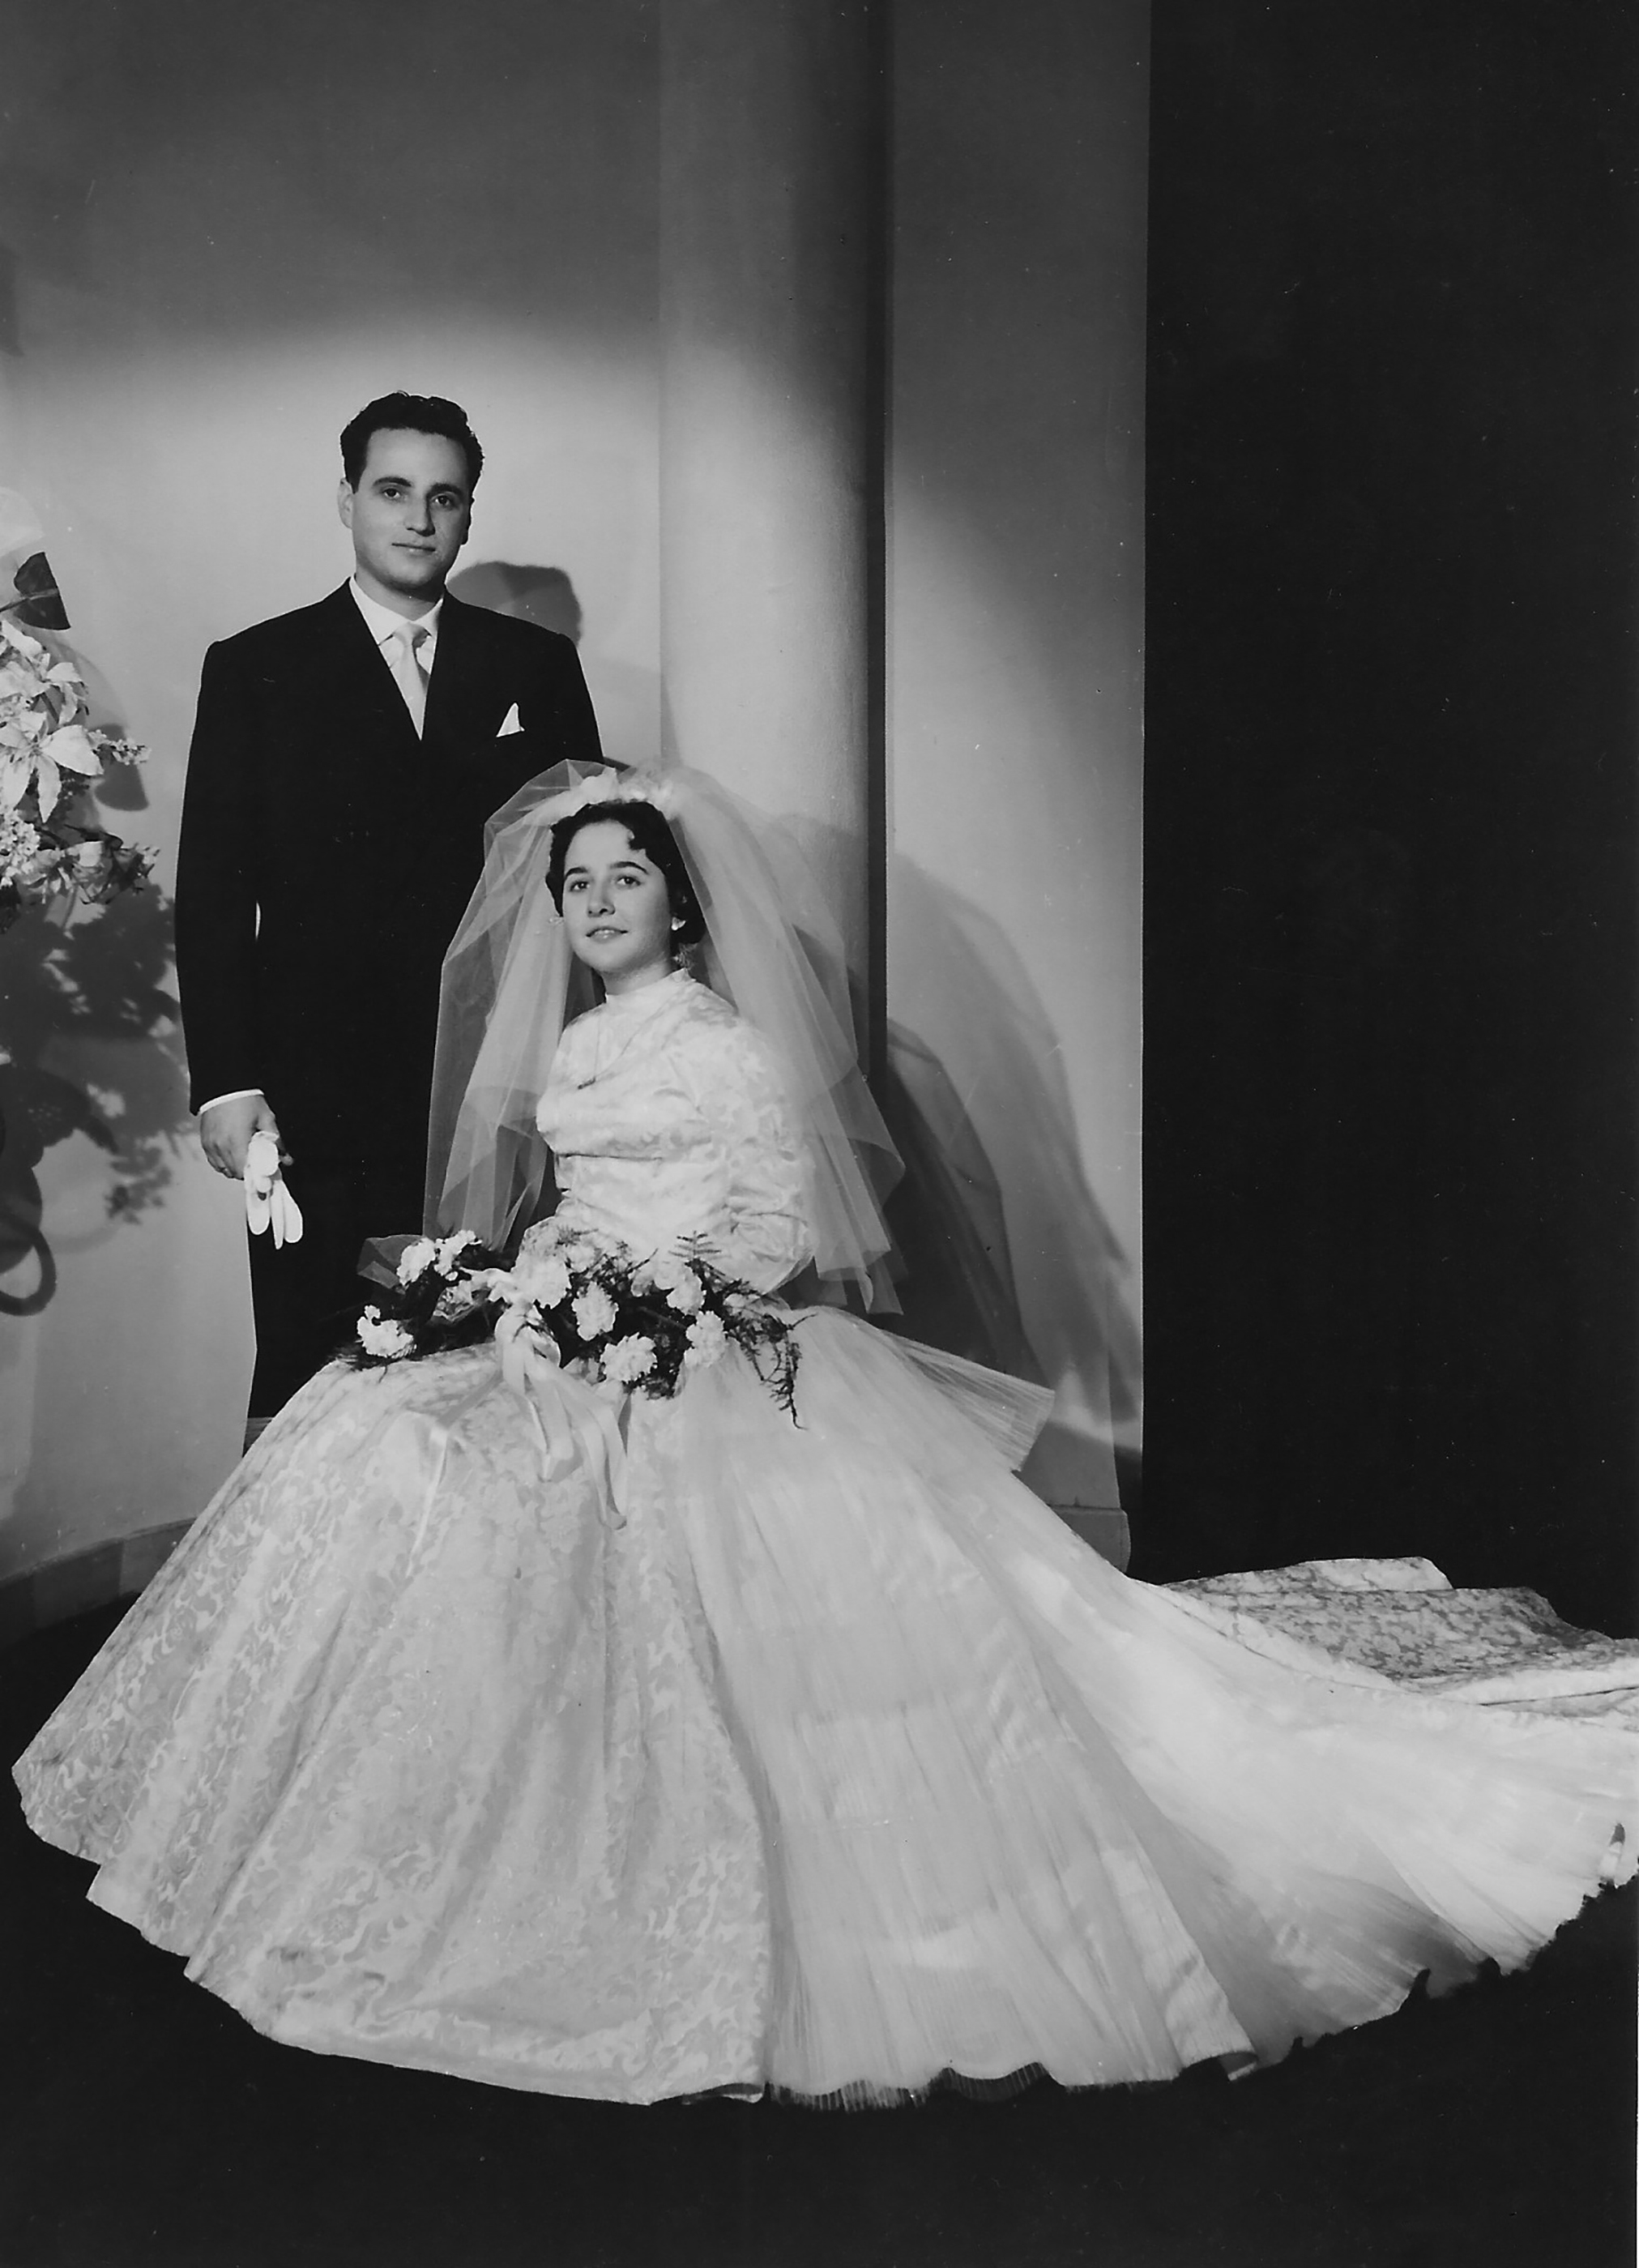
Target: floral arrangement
[[624, 1325], [49, 757]]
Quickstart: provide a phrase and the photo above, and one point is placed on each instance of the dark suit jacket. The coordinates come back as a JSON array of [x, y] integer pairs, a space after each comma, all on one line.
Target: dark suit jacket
[[327, 854]]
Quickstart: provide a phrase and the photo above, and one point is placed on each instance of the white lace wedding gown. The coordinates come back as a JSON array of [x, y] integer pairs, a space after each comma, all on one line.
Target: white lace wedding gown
[[821, 1755]]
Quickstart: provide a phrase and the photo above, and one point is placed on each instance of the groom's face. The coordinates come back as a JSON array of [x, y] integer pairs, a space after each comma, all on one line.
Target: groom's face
[[409, 516]]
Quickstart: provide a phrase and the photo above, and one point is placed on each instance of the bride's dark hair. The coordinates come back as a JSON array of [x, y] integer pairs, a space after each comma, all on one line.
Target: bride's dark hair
[[651, 834]]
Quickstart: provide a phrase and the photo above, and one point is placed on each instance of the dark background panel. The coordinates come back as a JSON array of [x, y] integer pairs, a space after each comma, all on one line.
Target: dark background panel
[[1390, 955]]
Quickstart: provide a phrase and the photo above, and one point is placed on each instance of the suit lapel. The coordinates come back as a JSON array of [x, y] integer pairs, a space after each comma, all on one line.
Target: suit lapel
[[467, 698], [363, 707], [467, 694]]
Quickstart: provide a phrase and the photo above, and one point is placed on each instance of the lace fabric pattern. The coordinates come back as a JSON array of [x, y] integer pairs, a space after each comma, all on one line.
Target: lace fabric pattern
[[666, 1120], [430, 1784]]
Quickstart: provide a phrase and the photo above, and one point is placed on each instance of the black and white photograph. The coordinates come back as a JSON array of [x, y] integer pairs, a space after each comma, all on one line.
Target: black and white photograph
[[819, 1120]]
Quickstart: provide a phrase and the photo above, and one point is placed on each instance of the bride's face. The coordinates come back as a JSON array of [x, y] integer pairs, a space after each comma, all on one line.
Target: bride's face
[[616, 908]]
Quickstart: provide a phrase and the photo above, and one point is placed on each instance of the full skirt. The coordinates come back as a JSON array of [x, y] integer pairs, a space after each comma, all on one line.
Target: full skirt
[[754, 1749]]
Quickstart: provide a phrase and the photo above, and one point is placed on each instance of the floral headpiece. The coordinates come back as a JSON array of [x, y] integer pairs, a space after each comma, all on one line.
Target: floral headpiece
[[612, 786]]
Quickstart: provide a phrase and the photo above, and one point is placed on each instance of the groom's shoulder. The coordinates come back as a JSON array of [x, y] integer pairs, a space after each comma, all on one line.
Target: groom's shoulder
[[509, 635], [284, 633]]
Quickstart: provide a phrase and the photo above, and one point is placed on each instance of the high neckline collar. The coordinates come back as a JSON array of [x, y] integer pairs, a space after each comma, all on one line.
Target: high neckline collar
[[648, 999]]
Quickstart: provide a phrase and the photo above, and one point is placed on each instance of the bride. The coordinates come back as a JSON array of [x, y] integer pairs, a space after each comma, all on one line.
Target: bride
[[498, 1720]]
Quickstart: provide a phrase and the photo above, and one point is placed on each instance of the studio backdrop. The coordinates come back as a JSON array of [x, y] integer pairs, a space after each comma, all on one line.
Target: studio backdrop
[[807, 350]]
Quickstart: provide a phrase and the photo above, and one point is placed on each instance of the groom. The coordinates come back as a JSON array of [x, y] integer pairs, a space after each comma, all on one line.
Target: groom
[[344, 761]]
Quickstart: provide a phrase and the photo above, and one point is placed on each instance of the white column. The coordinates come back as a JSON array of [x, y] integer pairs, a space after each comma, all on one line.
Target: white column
[[766, 456]]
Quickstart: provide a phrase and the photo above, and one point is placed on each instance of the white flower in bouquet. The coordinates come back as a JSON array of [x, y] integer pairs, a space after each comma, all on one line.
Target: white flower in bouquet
[[578, 1255], [415, 1259], [707, 1341], [594, 1312], [387, 1340], [687, 1294], [625, 1361], [541, 1278], [549, 1235], [463, 1293], [450, 1248]]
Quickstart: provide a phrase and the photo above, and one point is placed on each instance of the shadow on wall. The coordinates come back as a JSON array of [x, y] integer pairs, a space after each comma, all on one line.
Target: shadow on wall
[[93, 1045], [1009, 1259], [1016, 1263], [626, 698], [947, 1219], [533, 594]]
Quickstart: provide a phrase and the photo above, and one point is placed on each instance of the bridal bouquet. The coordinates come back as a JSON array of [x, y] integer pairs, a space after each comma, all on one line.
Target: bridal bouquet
[[49, 756], [620, 1322]]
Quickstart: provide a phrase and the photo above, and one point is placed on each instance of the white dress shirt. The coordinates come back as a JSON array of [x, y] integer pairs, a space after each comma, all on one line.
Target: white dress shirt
[[384, 625]]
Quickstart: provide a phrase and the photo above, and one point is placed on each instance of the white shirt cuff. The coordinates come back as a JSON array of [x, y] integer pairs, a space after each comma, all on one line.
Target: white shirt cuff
[[235, 1094]]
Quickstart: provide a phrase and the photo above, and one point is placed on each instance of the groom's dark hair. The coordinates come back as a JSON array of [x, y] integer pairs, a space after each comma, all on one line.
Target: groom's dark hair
[[408, 413]]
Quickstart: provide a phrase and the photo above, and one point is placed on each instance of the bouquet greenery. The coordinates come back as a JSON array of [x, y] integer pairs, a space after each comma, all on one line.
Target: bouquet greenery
[[623, 1323]]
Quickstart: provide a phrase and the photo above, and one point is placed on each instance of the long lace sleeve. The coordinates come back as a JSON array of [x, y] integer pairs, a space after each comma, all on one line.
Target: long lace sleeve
[[765, 1237]]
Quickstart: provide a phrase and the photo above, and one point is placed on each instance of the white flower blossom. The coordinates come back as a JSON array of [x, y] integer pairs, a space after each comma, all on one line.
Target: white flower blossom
[[389, 1340], [706, 1342], [417, 1259], [627, 1360], [19, 641], [540, 1277], [19, 846], [687, 1294], [450, 1248], [17, 773], [666, 1268], [69, 746], [594, 1312]]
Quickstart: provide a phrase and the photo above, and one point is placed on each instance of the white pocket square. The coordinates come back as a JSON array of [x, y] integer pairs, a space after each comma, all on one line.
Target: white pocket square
[[510, 722]]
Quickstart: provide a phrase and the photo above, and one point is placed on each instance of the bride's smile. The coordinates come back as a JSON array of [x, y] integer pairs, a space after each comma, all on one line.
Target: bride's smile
[[617, 908]]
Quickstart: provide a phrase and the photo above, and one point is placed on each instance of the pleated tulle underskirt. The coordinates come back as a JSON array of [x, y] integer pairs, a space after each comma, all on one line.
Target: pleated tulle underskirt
[[816, 1754]]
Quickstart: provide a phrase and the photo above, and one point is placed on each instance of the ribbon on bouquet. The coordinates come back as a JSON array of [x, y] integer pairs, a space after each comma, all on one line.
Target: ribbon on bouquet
[[575, 1422], [268, 1202]]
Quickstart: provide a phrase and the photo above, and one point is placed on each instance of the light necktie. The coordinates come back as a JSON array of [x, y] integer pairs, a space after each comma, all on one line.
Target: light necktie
[[408, 673]]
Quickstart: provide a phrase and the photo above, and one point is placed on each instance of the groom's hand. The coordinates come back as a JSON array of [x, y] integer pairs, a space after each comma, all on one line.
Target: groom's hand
[[225, 1129]]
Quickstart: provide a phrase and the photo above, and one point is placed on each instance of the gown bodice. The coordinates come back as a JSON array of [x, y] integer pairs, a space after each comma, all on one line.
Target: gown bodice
[[667, 1119]]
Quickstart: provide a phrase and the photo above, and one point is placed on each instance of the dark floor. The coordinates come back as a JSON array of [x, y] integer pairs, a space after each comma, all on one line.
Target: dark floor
[[146, 2123]]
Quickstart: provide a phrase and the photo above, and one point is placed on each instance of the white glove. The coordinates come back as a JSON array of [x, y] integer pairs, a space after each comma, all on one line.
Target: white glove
[[268, 1202]]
